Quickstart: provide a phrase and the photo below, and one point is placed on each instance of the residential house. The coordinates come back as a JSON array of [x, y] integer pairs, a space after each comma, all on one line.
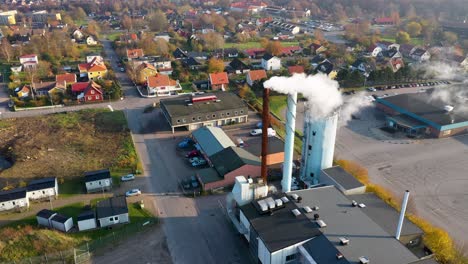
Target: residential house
[[46, 188], [201, 85], [16, 68], [285, 27], [291, 50], [16, 199], [8, 17], [61, 222], [98, 181], [47, 88], [362, 66], [237, 66], [65, 79], [295, 69], [420, 55], [198, 55], [396, 64], [405, 50], [227, 165], [86, 220], [163, 65], [374, 50], [219, 81], [325, 67], [128, 37], [78, 34], [251, 7], [226, 53], [317, 48], [44, 217], [270, 62], [95, 69], [112, 211], [179, 54], [383, 21], [255, 53], [24, 92], [95, 57], [191, 63], [164, 36], [91, 41], [144, 71], [255, 76], [134, 53], [162, 85], [29, 61], [92, 92]]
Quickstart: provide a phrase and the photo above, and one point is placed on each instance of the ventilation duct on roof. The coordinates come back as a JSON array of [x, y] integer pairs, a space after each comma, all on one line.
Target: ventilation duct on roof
[[296, 212], [448, 108]]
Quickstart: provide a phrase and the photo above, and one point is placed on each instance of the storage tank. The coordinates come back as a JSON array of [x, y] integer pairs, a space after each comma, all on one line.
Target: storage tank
[[318, 146]]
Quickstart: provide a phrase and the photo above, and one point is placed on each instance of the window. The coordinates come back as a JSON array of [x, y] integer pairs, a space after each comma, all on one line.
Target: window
[[89, 97], [178, 120], [34, 193], [199, 118], [116, 218], [43, 192], [3, 204], [111, 219], [291, 257], [241, 111], [92, 92], [193, 118], [228, 114], [207, 117], [99, 182], [214, 115], [235, 113], [222, 115], [14, 203], [97, 96]]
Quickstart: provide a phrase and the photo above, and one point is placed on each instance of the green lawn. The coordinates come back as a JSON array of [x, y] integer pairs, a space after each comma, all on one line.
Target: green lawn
[[113, 36], [414, 41], [256, 44], [277, 103]]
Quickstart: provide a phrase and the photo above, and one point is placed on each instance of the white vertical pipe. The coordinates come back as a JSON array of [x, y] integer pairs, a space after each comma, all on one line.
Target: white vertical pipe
[[402, 215], [289, 142]]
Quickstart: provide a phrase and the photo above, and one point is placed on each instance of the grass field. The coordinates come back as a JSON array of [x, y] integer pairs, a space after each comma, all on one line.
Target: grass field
[[66, 145], [24, 239], [414, 41], [256, 44]]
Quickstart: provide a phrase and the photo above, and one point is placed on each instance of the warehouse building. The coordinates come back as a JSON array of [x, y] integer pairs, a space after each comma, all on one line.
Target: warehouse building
[[207, 109], [419, 114]]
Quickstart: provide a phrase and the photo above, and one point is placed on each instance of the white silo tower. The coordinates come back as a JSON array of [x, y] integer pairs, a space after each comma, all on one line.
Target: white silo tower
[[318, 146]]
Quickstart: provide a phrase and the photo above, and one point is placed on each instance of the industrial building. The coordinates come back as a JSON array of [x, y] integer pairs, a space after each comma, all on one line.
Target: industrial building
[[342, 180], [206, 109], [419, 114], [319, 225]]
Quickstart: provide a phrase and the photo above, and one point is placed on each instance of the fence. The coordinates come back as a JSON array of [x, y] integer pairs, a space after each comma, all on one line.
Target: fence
[[83, 253]]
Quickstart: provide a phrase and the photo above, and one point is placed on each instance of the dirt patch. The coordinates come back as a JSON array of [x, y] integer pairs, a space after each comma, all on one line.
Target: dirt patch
[[65, 145]]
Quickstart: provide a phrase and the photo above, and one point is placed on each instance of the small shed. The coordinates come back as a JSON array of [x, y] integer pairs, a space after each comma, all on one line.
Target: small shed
[[44, 217], [112, 211], [86, 220], [62, 222]]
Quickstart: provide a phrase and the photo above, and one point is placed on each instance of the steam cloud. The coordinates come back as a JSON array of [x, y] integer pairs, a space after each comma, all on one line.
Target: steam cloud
[[454, 96], [322, 94]]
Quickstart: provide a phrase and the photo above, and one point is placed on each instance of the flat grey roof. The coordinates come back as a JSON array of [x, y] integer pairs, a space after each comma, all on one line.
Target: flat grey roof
[[384, 215], [212, 139], [254, 145], [282, 228], [343, 178], [111, 207], [425, 107], [177, 107], [366, 237]]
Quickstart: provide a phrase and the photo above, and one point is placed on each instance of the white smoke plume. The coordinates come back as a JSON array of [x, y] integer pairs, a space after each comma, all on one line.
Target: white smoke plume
[[456, 96], [321, 92]]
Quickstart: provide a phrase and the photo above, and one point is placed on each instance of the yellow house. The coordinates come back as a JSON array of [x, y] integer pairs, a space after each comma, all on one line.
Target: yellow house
[[144, 71], [95, 69]]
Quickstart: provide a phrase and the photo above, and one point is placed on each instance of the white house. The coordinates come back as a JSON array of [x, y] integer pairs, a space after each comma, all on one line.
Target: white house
[[28, 58], [90, 41], [112, 211], [98, 181], [77, 34], [44, 217], [43, 188], [271, 63], [61, 222], [420, 55], [15, 199], [162, 85], [162, 63], [86, 220], [90, 58]]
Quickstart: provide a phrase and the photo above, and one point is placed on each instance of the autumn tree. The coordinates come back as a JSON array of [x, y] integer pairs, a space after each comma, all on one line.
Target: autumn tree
[[215, 65], [148, 45], [318, 35], [264, 42], [212, 41], [158, 21], [78, 14], [450, 37], [93, 28], [414, 29], [6, 50], [127, 22], [219, 22], [274, 48], [402, 37], [162, 47]]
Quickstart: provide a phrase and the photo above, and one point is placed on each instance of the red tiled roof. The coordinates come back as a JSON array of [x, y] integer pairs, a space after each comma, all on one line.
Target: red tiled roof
[[69, 78], [384, 20], [160, 80], [256, 75], [253, 51], [134, 53], [79, 87], [94, 66], [28, 56], [219, 78], [296, 69]]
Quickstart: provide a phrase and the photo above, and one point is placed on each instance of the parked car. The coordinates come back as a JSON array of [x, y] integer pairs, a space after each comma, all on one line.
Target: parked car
[[185, 143], [133, 192], [371, 89], [191, 183], [257, 132], [122, 69], [128, 177], [193, 153], [199, 162], [193, 159]]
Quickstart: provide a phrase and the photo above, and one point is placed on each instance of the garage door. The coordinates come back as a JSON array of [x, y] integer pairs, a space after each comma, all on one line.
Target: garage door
[[195, 126]]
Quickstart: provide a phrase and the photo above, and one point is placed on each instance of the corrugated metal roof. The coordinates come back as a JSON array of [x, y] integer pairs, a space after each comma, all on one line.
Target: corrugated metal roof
[[212, 139]]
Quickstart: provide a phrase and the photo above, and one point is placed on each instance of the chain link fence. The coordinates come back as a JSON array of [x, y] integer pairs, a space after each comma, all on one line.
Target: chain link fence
[[83, 253]]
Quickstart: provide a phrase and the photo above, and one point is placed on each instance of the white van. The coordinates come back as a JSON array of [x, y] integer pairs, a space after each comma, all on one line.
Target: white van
[[240, 142], [257, 132]]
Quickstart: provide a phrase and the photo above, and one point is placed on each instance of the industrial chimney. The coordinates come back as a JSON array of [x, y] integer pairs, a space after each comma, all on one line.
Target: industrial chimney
[[402, 214], [289, 142], [265, 126], [318, 145]]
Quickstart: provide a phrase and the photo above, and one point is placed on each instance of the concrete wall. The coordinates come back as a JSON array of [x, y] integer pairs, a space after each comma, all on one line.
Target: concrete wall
[[230, 178], [87, 224], [106, 221], [263, 253], [245, 222], [279, 257], [14, 204]]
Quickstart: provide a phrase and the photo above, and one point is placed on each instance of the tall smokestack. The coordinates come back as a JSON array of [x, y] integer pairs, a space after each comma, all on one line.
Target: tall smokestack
[[265, 125], [289, 142], [402, 215]]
